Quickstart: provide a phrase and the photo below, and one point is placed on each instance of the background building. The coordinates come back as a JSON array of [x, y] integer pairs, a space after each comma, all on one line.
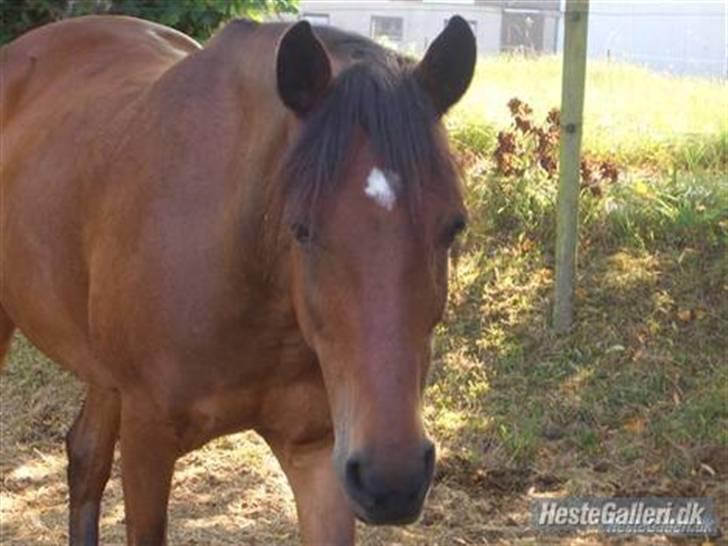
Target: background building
[[677, 37], [500, 25]]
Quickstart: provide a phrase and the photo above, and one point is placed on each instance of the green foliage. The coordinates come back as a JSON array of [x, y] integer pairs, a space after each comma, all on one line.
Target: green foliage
[[18, 16], [642, 117], [640, 377], [511, 186], [687, 208], [643, 210], [197, 18]]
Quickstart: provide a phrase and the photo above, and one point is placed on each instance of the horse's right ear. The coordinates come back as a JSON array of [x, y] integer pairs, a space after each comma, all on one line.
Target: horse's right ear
[[449, 63], [303, 69]]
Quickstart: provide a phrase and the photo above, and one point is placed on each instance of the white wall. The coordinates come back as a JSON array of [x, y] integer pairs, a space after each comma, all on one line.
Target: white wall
[[422, 22], [551, 33], [687, 37], [679, 37]]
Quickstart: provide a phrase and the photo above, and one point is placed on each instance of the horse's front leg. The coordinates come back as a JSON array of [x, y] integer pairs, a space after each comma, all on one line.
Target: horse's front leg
[[324, 516], [149, 450], [90, 447]]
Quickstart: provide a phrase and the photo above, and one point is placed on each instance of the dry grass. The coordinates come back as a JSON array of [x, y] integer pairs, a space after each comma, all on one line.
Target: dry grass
[[232, 491]]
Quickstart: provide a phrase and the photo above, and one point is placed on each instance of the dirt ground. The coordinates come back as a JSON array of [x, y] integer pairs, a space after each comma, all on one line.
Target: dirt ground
[[232, 491]]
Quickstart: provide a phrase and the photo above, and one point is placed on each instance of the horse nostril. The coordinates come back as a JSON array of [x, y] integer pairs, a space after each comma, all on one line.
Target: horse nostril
[[353, 474], [429, 458], [390, 490]]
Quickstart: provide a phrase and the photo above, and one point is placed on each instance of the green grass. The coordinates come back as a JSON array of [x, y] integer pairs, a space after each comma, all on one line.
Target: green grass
[[641, 382], [642, 209], [643, 369], [640, 116]]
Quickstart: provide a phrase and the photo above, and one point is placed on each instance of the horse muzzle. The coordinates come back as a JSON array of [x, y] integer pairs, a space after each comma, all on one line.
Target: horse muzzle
[[389, 494]]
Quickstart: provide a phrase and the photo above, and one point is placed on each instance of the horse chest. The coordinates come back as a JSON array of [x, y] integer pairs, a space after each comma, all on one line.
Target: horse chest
[[279, 391]]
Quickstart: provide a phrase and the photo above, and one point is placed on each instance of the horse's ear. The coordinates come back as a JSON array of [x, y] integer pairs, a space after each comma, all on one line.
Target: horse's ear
[[447, 68], [303, 69]]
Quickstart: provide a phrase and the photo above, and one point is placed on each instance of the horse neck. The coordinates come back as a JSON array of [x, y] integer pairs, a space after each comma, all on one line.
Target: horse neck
[[222, 132]]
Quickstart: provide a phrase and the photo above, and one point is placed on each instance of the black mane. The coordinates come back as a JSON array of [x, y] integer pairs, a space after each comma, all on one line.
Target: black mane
[[378, 94]]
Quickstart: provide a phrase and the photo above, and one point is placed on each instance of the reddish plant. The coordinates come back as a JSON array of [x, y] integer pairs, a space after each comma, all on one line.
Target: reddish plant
[[528, 146]]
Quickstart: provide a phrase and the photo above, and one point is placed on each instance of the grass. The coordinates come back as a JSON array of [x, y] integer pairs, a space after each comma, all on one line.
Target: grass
[[638, 115], [632, 401], [644, 364], [643, 373]]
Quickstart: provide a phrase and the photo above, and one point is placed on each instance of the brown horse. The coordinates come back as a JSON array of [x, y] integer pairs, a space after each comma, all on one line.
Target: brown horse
[[250, 235]]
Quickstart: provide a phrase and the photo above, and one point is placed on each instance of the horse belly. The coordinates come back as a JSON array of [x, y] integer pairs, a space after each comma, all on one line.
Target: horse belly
[[44, 274]]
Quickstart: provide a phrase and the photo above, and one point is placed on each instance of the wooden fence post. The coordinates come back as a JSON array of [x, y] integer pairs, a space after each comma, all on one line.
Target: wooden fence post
[[567, 201]]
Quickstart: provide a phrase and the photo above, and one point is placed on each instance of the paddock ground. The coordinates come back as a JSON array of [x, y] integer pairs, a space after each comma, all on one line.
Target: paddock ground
[[232, 491]]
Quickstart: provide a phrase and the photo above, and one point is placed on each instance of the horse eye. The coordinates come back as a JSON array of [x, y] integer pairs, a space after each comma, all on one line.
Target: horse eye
[[455, 228], [301, 232]]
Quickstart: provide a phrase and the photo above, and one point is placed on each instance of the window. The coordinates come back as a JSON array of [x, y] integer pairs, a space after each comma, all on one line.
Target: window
[[389, 28], [316, 18], [522, 31], [472, 22]]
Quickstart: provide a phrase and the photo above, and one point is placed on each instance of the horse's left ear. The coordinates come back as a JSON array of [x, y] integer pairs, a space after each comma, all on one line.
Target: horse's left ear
[[303, 69], [447, 68]]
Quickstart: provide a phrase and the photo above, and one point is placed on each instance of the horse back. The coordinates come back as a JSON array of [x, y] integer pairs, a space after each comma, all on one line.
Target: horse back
[[74, 57]]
